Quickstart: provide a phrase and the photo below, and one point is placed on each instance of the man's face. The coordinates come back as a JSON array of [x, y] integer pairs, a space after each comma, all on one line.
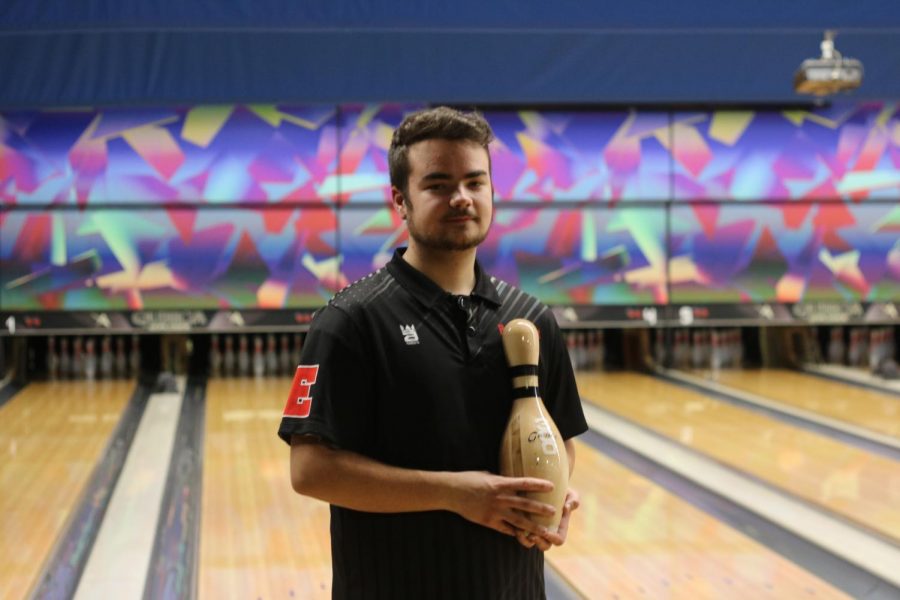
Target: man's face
[[449, 200]]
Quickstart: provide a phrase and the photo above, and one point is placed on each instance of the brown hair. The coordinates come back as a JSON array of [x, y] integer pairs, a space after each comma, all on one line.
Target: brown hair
[[440, 123]]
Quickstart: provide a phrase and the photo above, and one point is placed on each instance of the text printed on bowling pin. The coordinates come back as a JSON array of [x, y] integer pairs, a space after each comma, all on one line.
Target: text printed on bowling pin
[[545, 436]]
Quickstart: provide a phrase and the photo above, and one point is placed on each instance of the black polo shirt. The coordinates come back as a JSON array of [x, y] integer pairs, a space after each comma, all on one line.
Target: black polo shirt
[[415, 377]]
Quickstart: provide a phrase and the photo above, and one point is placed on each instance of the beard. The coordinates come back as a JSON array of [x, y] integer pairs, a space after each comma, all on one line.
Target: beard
[[445, 239]]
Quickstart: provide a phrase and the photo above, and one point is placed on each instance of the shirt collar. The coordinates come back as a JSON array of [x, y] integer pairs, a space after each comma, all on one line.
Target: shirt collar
[[427, 291]]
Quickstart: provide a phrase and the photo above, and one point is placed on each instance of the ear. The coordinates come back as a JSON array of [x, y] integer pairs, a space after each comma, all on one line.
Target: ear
[[397, 201]]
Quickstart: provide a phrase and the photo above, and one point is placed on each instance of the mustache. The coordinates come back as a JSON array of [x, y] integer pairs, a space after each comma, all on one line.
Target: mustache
[[457, 215]]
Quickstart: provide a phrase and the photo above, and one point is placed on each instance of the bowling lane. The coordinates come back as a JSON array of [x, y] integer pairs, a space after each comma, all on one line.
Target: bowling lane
[[858, 485], [51, 436], [863, 407], [258, 539], [633, 539]]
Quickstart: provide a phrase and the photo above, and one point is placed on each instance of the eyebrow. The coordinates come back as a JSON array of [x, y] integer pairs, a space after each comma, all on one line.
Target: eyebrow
[[444, 176]]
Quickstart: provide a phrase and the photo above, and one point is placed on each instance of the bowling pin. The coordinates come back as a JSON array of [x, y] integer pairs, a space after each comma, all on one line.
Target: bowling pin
[[90, 359], [65, 361], [106, 358], [697, 350], [715, 354], [836, 346], [570, 347], [863, 354], [659, 348], [704, 347], [134, 357], [121, 359], [678, 350], [298, 348], [874, 348], [228, 361], [259, 360], [284, 355], [215, 356], [738, 350], [271, 356], [77, 367], [52, 359], [727, 340], [887, 345], [531, 445], [853, 353], [243, 356], [581, 349], [597, 351]]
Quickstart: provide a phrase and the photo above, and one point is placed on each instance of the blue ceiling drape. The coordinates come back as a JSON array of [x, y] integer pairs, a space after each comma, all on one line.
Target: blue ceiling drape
[[129, 52]]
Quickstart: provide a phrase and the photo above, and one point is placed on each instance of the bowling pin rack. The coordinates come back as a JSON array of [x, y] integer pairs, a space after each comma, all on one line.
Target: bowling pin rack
[[225, 343]]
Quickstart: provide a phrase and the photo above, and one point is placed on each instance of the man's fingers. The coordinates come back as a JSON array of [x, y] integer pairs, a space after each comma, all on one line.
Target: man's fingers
[[527, 505], [542, 544], [526, 539], [504, 527], [528, 484], [558, 538], [523, 524]]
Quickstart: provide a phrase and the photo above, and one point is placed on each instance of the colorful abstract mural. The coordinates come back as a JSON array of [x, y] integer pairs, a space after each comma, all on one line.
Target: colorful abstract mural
[[849, 151], [338, 154], [537, 156], [168, 258], [255, 206], [785, 252], [365, 136], [206, 154], [562, 256]]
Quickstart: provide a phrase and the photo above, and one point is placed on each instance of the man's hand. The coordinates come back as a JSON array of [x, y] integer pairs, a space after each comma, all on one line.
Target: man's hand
[[546, 541], [493, 501]]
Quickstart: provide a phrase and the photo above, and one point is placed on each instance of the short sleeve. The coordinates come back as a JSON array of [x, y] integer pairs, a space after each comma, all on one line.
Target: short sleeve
[[329, 397], [559, 390]]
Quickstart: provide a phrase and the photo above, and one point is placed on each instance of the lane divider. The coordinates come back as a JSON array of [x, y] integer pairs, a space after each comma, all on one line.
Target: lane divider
[[118, 562], [854, 377], [174, 565]]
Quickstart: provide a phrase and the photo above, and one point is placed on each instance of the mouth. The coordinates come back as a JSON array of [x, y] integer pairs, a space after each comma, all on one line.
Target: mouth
[[460, 218]]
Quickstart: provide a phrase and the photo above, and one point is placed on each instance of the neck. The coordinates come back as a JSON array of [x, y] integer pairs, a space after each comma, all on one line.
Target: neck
[[453, 271]]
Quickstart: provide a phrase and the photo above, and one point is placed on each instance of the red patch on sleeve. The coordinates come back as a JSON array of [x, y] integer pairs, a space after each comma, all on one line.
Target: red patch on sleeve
[[300, 399]]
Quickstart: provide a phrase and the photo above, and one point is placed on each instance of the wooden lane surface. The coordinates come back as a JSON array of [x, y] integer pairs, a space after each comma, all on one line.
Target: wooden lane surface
[[860, 406], [633, 539], [857, 485], [51, 436], [258, 539]]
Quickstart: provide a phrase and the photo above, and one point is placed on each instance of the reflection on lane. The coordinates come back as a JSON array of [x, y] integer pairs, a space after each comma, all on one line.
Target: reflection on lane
[[852, 404], [51, 437], [258, 538], [631, 538], [858, 485]]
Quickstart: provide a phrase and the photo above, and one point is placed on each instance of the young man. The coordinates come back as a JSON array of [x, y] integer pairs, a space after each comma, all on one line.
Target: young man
[[403, 394]]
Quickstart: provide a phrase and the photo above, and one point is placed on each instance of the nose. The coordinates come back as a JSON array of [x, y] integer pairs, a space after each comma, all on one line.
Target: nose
[[460, 198]]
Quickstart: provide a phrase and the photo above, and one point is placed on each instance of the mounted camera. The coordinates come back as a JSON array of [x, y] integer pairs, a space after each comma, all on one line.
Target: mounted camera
[[829, 74]]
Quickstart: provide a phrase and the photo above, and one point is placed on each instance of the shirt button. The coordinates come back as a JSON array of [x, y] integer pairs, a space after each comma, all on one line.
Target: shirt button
[[471, 330], [462, 302]]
